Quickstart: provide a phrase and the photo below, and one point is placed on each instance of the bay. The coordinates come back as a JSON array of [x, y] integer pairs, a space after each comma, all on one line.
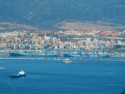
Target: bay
[[56, 77]]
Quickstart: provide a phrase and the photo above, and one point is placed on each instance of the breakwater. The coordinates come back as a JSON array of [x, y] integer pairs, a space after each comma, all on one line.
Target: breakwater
[[73, 59]]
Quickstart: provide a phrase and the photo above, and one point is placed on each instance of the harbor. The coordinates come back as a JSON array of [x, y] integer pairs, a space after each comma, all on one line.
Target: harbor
[[87, 76], [118, 59]]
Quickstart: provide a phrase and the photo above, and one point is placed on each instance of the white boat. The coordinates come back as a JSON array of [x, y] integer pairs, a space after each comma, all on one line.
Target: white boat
[[67, 60], [20, 74]]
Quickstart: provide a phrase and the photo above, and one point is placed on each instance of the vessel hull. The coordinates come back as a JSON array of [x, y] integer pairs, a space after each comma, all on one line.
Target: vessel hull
[[17, 76]]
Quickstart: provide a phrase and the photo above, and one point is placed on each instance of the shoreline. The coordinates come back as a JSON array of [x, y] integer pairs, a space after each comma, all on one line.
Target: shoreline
[[114, 59]]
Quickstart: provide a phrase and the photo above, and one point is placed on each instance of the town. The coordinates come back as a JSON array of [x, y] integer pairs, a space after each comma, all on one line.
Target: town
[[64, 41]]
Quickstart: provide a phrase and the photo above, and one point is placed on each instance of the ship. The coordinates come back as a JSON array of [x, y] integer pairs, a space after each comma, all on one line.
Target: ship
[[18, 75], [97, 56], [71, 55], [17, 54], [88, 55]]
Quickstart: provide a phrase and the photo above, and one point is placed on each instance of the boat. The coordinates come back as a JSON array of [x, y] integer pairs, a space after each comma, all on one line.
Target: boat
[[87, 55], [97, 56], [67, 60], [19, 74], [18, 54], [72, 55], [15, 54]]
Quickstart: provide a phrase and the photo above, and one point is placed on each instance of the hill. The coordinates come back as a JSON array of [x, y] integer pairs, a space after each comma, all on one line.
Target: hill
[[46, 13]]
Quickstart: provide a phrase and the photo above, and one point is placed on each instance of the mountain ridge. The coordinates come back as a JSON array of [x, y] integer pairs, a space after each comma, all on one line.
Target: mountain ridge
[[47, 13]]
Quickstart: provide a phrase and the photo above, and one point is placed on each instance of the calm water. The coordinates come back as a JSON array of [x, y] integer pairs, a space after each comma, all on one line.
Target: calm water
[[56, 77]]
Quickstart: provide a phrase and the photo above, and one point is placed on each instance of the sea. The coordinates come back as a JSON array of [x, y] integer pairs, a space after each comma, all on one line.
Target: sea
[[53, 76]]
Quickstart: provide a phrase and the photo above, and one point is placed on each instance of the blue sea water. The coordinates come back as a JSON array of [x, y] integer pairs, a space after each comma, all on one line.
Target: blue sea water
[[56, 77]]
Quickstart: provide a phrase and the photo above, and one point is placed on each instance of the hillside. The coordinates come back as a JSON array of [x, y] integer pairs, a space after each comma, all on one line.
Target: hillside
[[46, 13], [91, 26], [9, 27]]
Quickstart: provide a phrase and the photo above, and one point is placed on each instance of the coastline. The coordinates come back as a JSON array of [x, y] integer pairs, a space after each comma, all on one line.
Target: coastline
[[110, 59]]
